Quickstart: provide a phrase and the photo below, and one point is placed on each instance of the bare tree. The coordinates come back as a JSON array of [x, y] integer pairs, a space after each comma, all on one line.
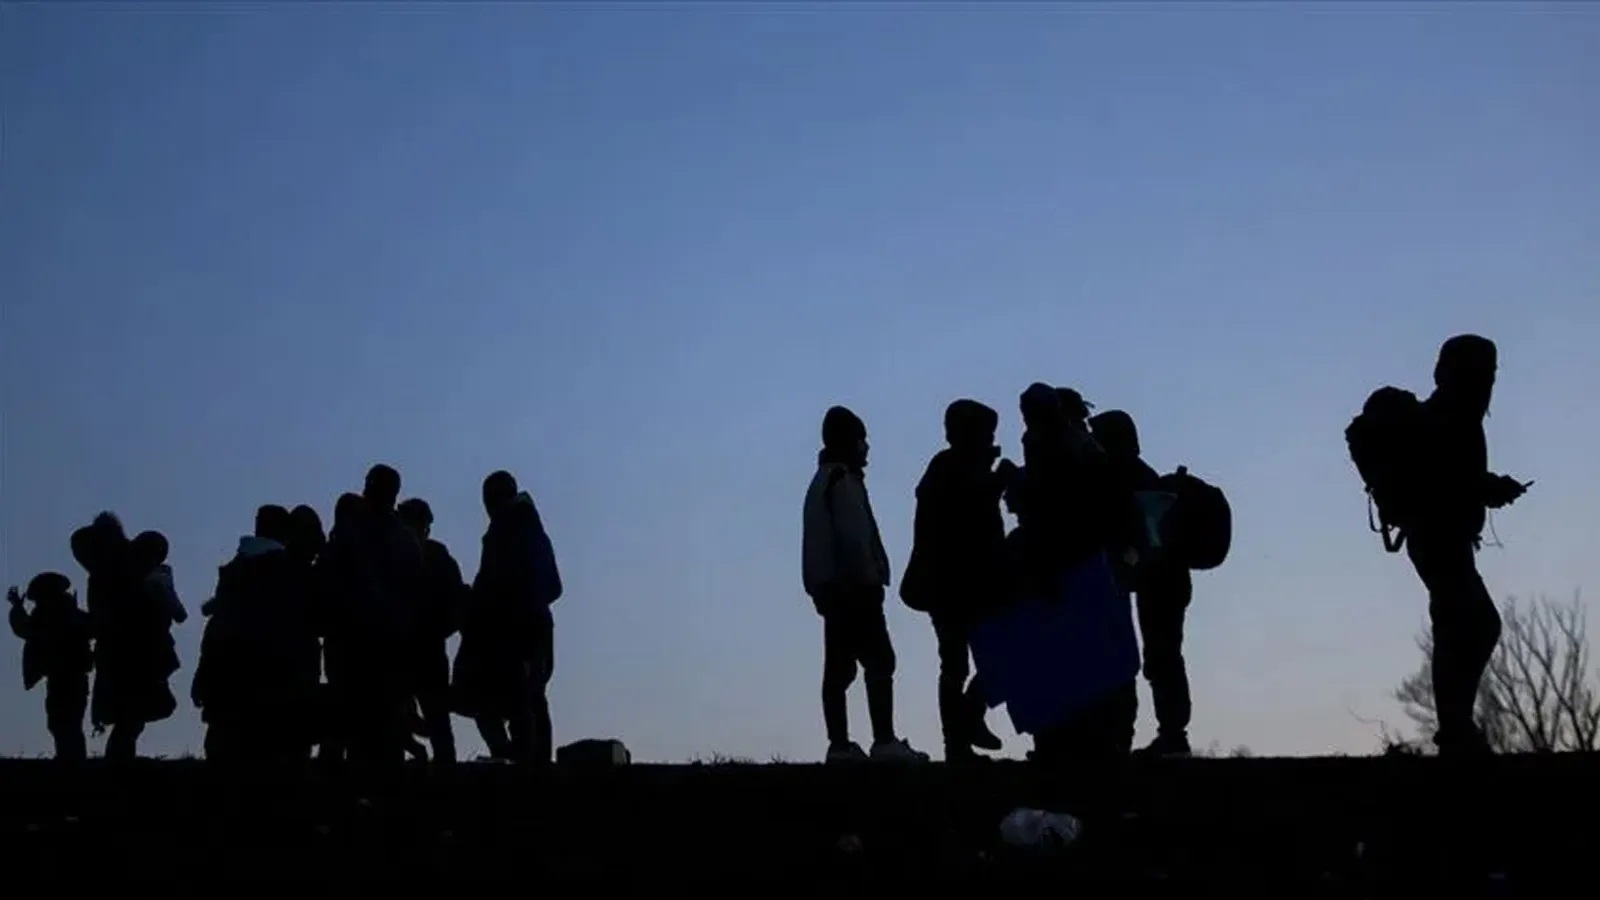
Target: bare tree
[[1538, 695]]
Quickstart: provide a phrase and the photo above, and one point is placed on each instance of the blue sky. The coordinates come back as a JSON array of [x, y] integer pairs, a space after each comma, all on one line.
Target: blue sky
[[633, 252]]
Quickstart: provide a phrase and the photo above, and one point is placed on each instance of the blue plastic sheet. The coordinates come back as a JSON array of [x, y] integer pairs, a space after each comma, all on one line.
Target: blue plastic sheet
[[1053, 653]]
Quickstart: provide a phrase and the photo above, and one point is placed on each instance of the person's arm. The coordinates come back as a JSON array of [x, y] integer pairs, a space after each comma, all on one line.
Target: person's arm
[[853, 534], [169, 598], [21, 623], [455, 589]]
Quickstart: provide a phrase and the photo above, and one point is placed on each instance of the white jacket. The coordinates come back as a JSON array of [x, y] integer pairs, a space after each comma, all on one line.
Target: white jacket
[[840, 545]]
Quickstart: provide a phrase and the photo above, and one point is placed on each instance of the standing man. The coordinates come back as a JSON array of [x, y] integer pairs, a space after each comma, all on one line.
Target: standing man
[[428, 660], [957, 568], [845, 571], [1163, 587], [510, 628]]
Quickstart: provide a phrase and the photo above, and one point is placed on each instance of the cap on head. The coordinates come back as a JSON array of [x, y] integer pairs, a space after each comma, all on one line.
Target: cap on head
[[48, 584], [1466, 354], [382, 487], [499, 488], [273, 523], [150, 548], [842, 428], [1115, 431]]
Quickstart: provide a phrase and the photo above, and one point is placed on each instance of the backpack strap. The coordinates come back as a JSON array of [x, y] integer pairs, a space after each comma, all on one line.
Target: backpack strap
[[1394, 539]]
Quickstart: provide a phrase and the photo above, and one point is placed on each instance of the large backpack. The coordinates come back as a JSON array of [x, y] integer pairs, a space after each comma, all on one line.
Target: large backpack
[[1199, 528], [1385, 442]]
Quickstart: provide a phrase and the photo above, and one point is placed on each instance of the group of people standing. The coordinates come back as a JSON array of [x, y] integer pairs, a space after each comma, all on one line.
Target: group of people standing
[[1076, 495], [1084, 493], [337, 641], [333, 644]]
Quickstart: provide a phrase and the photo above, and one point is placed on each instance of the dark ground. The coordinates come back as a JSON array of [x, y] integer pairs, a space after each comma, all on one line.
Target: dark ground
[[1361, 827]]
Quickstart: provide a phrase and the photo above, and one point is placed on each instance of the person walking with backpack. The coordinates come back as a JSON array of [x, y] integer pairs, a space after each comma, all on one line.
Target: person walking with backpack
[[1426, 468], [845, 570], [957, 569]]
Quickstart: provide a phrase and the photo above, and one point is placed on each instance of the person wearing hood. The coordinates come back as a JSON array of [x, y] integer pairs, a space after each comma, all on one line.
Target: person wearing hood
[[1163, 589], [444, 593], [250, 684], [507, 655], [55, 650], [347, 611], [1456, 491], [133, 651], [150, 551], [845, 570], [1060, 492], [956, 573]]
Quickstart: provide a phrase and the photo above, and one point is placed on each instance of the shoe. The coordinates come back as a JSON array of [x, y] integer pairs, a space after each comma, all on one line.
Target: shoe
[[985, 739], [850, 752], [1166, 747], [1472, 744], [964, 756], [897, 751]]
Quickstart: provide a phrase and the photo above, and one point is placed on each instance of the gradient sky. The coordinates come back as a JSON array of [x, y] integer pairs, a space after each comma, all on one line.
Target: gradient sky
[[633, 252]]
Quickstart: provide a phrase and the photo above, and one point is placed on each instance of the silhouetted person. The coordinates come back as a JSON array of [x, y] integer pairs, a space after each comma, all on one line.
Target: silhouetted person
[[1455, 491], [1163, 586], [55, 650], [507, 654], [134, 655], [443, 596], [845, 571], [150, 551], [1062, 501], [306, 540], [395, 561], [957, 572], [252, 683], [349, 608]]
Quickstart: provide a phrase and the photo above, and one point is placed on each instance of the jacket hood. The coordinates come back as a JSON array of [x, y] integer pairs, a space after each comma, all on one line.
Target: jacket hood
[[1114, 430], [519, 513], [251, 546]]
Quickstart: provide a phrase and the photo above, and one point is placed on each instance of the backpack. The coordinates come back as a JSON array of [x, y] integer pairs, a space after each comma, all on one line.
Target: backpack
[[1385, 442], [1200, 525]]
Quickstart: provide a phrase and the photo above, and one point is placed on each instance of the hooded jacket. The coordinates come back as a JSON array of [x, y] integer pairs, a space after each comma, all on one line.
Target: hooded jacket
[[840, 547], [958, 548], [518, 578], [254, 648]]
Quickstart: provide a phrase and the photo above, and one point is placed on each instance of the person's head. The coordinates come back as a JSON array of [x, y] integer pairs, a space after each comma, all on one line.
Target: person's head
[[102, 545], [970, 425], [1114, 430], [149, 550], [1466, 370], [305, 531], [348, 512], [50, 589], [416, 515], [844, 435], [1074, 408], [499, 491], [272, 523], [382, 487], [1039, 404]]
